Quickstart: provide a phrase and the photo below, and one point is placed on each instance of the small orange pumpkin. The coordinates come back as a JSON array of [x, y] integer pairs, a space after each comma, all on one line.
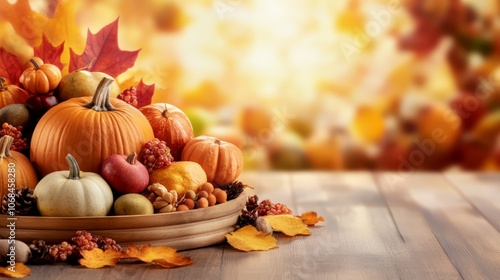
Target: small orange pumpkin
[[11, 94], [40, 78], [89, 128], [221, 160], [16, 168]]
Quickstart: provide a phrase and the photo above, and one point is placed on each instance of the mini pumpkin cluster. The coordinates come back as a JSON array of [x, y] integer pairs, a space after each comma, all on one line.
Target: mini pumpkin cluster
[[93, 148]]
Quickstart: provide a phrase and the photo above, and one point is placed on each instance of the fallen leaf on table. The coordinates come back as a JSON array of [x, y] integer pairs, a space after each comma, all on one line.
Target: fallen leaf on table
[[102, 53], [311, 218], [97, 258], [20, 271], [288, 224], [161, 255], [248, 238]]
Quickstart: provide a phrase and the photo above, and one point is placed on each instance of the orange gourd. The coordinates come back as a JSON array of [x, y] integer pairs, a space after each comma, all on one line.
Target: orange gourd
[[222, 161], [40, 78], [16, 168], [89, 128], [169, 124], [11, 94]]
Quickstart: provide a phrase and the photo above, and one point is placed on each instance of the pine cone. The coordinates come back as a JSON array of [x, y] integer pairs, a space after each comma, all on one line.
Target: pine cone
[[252, 203], [25, 203], [247, 218], [233, 189], [250, 213], [40, 253]]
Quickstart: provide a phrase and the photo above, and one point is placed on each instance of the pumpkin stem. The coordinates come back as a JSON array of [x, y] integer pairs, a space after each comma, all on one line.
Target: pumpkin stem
[[132, 158], [217, 141], [35, 64], [5, 144], [100, 101], [74, 169], [2, 81]]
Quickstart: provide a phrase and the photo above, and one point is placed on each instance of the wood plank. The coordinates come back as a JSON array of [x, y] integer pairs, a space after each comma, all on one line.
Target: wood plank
[[426, 253], [363, 240], [470, 241], [482, 190]]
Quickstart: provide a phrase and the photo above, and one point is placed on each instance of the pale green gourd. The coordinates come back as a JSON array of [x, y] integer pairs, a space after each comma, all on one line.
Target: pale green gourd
[[73, 193]]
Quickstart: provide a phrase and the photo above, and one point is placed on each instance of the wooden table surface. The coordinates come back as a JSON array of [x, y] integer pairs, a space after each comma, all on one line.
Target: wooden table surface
[[377, 226]]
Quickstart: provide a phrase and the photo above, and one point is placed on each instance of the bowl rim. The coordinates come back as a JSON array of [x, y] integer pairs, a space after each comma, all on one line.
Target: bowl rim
[[128, 221]]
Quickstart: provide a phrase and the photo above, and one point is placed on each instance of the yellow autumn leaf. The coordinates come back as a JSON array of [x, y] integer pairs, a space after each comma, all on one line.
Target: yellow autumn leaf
[[97, 258], [161, 255], [287, 224], [18, 271], [248, 238], [311, 218]]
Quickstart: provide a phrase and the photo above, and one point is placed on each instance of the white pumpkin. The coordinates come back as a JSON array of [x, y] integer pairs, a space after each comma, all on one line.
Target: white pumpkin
[[73, 193]]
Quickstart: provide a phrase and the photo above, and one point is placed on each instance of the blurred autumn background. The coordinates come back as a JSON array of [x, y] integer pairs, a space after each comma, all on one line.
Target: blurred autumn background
[[297, 84]]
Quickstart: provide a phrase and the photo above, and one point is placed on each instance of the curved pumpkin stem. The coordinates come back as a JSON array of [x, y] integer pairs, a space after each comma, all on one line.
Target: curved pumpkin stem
[[74, 169], [217, 141], [132, 158], [2, 82], [5, 144], [100, 101], [35, 64]]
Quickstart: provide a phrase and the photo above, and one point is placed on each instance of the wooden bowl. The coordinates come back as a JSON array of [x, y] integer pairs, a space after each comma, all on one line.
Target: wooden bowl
[[180, 230]]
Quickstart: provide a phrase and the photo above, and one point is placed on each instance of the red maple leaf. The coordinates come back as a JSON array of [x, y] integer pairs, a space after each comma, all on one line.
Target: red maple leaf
[[10, 68], [102, 53], [144, 94], [50, 53]]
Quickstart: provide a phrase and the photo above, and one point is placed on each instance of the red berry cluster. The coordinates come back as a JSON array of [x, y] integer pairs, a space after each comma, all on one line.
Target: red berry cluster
[[129, 96], [20, 144], [82, 240], [155, 154], [61, 252], [266, 207]]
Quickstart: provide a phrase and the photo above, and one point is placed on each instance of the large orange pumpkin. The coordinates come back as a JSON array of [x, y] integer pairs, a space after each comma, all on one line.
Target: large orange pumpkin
[[169, 124], [40, 78], [222, 161], [89, 128], [11, 94], [16, 168]]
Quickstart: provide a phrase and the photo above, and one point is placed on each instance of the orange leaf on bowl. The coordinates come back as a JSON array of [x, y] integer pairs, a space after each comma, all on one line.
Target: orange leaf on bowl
[[287, 224], [248, 238], [97, 258], [18, 271]]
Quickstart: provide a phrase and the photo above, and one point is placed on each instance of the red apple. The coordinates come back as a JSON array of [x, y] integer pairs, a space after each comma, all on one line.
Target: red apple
[[125, 174], [39, 104]]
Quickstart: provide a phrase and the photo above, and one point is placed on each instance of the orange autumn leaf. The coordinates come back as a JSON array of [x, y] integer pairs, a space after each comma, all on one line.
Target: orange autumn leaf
[[311, 218], [161, 255], [97, 258], [248, 238], [19, 271], [27, 23], [287, 224]]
